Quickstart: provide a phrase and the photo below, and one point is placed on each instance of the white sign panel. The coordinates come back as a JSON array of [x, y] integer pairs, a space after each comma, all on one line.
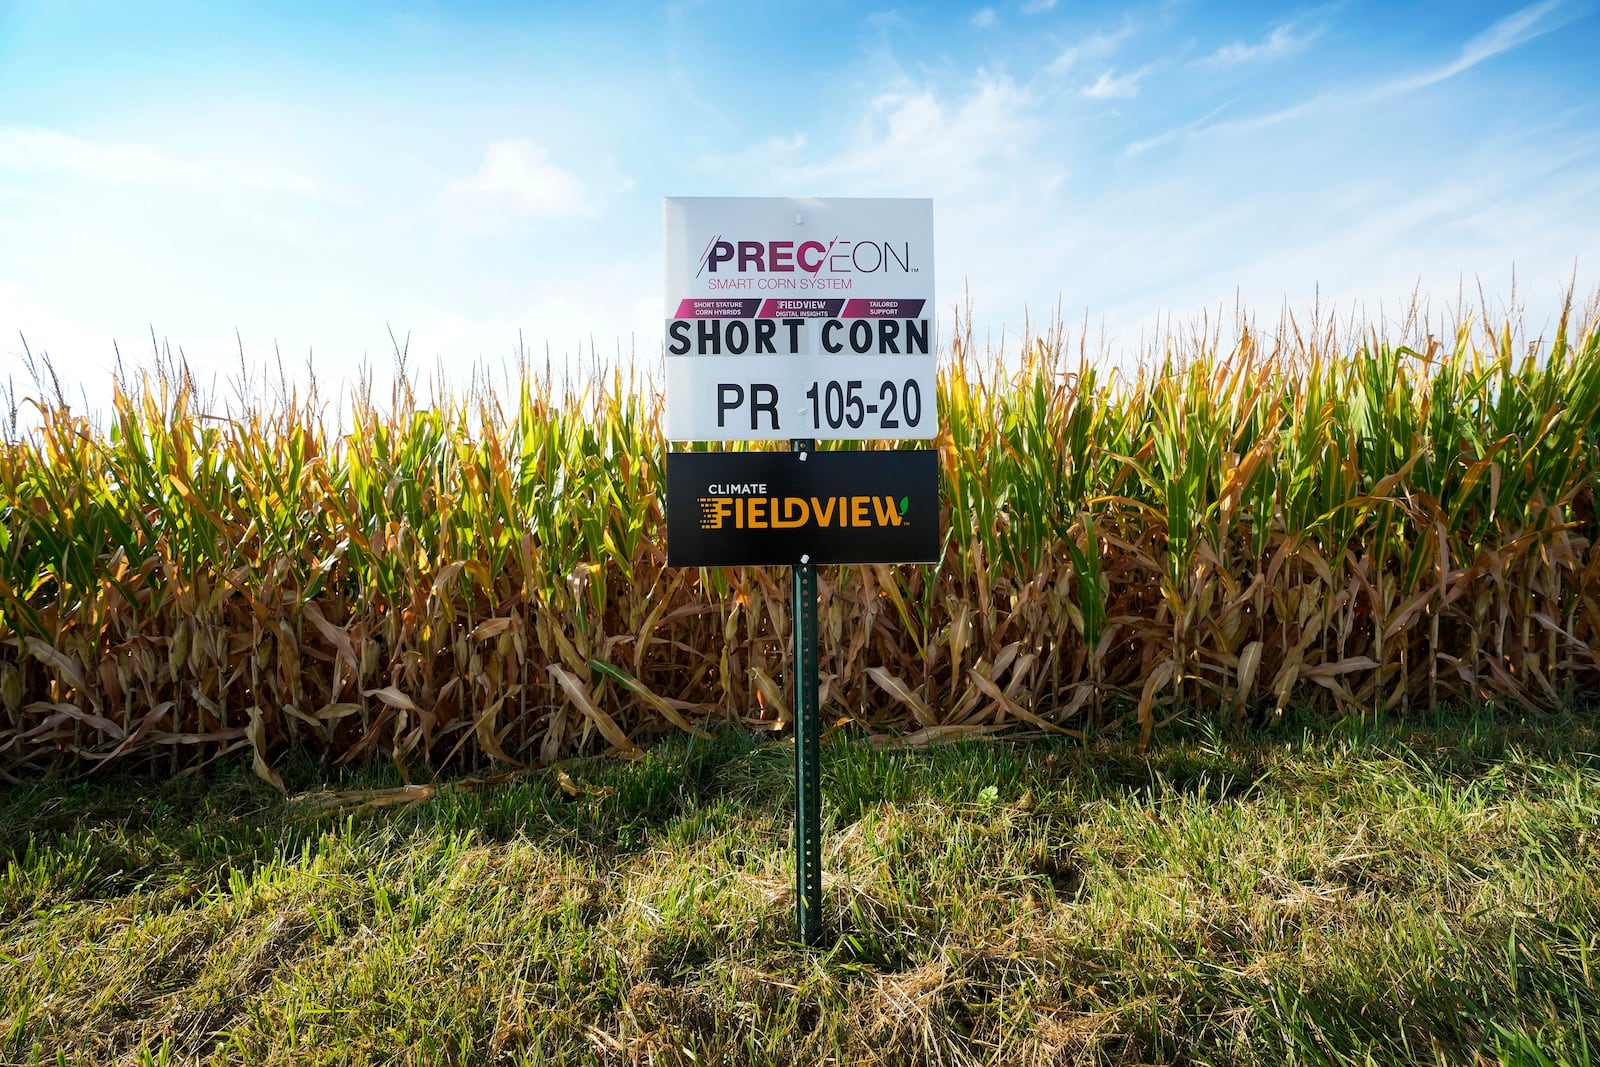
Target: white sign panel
[[799, 318]]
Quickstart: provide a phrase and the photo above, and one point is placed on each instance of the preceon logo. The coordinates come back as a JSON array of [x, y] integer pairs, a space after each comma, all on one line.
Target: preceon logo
[[793, 512], [837, 256]]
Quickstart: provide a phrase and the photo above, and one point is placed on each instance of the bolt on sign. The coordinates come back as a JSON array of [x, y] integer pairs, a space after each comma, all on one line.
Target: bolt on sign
[[786, 508], [799, 318]]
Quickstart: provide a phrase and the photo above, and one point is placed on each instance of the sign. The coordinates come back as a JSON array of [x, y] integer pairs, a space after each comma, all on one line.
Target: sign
[[799, 318], [798, 508]]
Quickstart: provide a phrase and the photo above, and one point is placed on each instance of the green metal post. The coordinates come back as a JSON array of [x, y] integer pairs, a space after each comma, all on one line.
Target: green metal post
[[807, 741]]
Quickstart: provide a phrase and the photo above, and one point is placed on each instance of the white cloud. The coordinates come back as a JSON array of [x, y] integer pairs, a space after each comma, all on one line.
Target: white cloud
[[1110, 86], [28, 150], [1096, 46], [1204, 127], [1282, 42], [1515, 29], [983, 18], [913, 142], [1018, 238], [1190, 130], [790, 144], [1037, 7], [517, 170]]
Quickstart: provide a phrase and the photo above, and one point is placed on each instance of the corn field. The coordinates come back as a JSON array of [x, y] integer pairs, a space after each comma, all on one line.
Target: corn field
[[1320, 519]]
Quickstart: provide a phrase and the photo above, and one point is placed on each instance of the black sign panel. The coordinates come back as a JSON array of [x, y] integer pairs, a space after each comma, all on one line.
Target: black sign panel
[[784, 508]]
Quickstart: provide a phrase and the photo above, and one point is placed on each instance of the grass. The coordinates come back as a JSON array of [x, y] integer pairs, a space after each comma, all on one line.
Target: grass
[[1371, 892]]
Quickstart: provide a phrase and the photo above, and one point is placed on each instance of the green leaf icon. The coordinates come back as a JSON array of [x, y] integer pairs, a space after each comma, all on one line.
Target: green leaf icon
[[905, 502]]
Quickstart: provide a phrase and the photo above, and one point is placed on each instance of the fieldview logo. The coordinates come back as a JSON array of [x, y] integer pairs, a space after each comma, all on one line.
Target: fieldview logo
[[793, 512], [739, 509], [837, 256]]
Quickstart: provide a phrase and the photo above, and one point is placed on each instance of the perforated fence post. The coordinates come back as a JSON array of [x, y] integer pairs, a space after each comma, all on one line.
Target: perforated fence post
[[807, 741]]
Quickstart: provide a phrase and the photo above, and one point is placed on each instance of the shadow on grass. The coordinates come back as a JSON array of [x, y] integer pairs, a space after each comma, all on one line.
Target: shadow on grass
[[117, 835], [105, 839]]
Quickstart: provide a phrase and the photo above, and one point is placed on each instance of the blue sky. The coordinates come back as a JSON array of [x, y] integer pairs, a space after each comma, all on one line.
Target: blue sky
[[312, 175]]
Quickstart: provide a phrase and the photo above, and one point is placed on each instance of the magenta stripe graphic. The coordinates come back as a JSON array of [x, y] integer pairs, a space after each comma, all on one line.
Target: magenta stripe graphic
[[725, 307], [883, 309], [717, 307]]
